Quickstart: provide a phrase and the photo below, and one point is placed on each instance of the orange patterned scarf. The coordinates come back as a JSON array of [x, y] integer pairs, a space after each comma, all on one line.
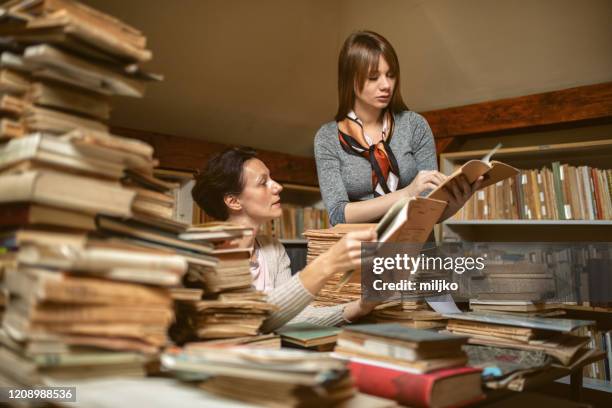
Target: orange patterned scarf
[[385, 171]]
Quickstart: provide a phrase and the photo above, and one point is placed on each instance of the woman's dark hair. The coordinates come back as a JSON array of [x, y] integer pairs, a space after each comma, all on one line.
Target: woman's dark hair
[[221, 176], [358, 57]]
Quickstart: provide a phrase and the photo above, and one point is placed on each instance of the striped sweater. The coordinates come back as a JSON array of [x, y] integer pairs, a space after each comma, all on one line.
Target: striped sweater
[[289, 294]]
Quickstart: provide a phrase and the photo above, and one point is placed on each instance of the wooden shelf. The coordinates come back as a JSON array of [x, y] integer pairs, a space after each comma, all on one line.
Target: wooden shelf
[[527, 223]]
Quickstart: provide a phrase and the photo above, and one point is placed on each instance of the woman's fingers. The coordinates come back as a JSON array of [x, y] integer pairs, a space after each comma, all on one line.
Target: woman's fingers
[[361, 235]]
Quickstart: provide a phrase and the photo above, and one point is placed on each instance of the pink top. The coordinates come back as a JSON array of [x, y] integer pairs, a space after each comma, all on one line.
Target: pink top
[[259, 270]]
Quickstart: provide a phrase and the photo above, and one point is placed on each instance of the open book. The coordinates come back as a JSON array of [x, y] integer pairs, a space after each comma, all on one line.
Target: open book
[[409, 220], [492, 171]]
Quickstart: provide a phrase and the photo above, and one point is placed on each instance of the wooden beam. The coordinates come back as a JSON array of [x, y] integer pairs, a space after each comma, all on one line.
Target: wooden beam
[[590, 104], [187, 154]]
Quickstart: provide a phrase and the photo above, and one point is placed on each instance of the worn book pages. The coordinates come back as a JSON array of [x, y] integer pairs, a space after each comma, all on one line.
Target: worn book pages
[[67, 191], [492, 171]]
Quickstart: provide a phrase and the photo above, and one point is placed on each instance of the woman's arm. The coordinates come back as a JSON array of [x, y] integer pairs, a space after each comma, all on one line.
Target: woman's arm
[[330, 179], [293, 294]]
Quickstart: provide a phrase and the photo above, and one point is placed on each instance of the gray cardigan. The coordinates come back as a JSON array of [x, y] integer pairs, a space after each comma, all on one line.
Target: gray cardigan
[[345, 178], [289, 293]]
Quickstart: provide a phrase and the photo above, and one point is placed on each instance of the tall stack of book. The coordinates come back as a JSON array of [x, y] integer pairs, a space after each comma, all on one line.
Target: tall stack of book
[[80, 298], [61, 62], [554, 336], [319, 241], [228, 306], [561, 192]]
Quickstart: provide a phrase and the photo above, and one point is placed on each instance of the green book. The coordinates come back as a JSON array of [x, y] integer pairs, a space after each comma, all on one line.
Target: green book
[[415, 338], [559, 198], [309, 335]]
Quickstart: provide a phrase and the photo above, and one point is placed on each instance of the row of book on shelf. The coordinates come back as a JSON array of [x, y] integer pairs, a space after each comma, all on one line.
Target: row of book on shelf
[[562, 192]]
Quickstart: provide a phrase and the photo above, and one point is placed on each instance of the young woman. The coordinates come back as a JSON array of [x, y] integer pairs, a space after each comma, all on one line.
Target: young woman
[[236, 186], [376, 150]]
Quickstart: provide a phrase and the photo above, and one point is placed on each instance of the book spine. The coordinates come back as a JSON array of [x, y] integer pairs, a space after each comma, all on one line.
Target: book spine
[[558, 190], [406, 388]]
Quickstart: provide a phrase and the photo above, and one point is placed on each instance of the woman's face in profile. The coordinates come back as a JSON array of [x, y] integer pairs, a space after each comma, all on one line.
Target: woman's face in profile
[[260, 197], [378, 87]]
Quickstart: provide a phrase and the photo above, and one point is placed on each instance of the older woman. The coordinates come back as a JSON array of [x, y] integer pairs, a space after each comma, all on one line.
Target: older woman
[[236, 186]]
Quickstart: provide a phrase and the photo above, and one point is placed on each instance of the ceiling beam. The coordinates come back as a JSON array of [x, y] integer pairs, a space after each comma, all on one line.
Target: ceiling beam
[[187, 154], [583, 105]]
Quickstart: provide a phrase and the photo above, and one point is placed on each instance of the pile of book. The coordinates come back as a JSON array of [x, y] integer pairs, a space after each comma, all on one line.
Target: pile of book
[[554, 336], [319, 241], [228, 306], [288, 378], [61, 61], [409, 365], [510, 281], [84, 303], [562, 192]]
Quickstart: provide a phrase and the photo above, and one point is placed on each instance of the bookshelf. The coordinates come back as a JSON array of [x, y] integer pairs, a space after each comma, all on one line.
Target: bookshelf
[[303, 209], [593, 153]]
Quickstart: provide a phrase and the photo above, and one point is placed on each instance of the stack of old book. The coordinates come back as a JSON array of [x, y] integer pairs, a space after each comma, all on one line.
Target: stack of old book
[[79, 300], [82, 303], [288, 378], [552, 335], [61, 62], [409, 365], [509, 280], [319, 241], [229, 306]]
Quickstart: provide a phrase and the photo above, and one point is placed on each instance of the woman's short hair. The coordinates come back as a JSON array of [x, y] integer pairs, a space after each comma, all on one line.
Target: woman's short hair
[[358, 57], [221, 176]]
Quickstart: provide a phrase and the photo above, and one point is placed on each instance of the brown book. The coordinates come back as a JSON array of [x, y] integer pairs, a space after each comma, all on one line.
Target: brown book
[[36, 118], [52, 151], [492, 171], [13, 82], [95, 35], [10, 129], [61, 313], [70, 99], [92, 17], [12, 105], [18, 214], [67, 191], [96, 77], [41, 285]]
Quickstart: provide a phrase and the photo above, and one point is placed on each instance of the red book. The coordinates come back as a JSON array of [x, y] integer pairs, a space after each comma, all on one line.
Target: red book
[[449, 387]]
